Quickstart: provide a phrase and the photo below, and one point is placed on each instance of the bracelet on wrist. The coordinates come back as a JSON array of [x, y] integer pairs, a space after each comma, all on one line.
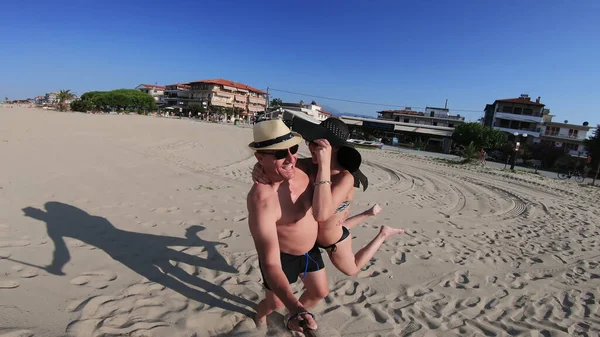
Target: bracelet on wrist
[[322, 182]]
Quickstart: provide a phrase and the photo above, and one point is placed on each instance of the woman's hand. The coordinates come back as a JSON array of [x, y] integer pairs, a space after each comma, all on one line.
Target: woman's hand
[[258, 175], [322, 152]]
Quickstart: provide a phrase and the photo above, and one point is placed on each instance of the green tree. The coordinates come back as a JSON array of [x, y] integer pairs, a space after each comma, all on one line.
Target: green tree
[[196, 108], [275, 103], [63, 97], [81, 105], [119, 100], [481, 136], [593, 149], [470, 152]]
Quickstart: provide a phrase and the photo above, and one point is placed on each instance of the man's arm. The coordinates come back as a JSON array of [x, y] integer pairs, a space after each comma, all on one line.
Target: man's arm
[[262, 218]]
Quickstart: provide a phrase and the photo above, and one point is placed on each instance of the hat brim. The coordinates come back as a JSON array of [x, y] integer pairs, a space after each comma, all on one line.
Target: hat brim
[[297, 139], [311, 132], [348, 155]]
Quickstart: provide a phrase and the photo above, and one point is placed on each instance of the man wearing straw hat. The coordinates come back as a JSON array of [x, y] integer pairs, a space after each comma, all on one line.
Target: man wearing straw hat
[[284, 229]]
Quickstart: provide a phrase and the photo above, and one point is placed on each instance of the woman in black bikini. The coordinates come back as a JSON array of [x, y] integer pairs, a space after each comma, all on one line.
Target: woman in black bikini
[[334, 180], [334, 190]]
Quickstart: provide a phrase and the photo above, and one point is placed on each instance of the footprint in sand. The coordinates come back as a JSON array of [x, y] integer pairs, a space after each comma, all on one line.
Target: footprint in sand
[[399, 258], [95, 279], [24, 272], [18, 333], [148, 224], [227, 233], [14, 243], [165, 209], [8, 284], [5, 254], [424, 256], [239, 218]]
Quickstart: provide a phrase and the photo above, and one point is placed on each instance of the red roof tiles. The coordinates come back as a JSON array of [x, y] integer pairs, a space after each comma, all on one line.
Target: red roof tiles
[[150, 86], [229, 83], [519, 101], [179, 85]]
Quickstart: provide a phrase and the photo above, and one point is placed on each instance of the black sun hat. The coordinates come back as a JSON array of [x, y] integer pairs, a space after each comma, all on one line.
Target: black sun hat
[[337, 133]]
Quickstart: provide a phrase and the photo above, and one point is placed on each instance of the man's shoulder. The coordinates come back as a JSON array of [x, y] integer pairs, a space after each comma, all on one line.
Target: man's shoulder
[[261, 194]]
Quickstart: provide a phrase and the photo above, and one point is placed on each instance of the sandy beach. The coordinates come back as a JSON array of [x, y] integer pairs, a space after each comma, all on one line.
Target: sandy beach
[[126, 225]]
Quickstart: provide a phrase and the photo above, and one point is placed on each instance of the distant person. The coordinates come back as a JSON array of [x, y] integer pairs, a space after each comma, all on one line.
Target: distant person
[[482, 154], [283, 227]]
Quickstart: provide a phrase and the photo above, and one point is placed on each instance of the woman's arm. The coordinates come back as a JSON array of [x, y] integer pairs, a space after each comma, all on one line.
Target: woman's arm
[[328, 195]]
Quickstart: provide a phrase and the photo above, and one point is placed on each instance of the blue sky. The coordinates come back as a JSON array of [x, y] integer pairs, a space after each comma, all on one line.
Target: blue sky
[[413, 53]]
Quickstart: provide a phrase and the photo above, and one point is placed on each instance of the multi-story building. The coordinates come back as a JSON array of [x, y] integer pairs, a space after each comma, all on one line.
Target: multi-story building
[[156, 91], [516, 115], [313, 110], [431, 116], [51, 98], [229, 94], [177, 95], [571, 137]]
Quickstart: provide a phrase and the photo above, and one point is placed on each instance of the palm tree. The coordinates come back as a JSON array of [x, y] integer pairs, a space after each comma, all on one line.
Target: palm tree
[[63, 97]]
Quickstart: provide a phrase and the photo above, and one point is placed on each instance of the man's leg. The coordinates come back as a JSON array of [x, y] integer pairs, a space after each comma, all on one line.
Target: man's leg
[[269, 304], [316, 288]]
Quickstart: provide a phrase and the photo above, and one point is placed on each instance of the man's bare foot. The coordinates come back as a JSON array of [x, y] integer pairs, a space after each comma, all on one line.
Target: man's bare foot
[[374, 210], [387, 231]]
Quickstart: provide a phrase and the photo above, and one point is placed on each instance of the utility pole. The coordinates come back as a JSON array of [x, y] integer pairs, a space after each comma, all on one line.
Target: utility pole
[[267, 105]]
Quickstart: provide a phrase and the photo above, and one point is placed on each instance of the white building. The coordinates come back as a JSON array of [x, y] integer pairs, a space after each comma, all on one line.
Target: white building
[[516, 115], [313, 110], [431, 116], [156, 91], [570, 137], [178, 95]]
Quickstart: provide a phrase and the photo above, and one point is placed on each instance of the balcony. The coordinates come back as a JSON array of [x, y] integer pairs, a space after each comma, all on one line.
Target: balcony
[[572, 138], [515, 117], [529, 132], [257, 100]]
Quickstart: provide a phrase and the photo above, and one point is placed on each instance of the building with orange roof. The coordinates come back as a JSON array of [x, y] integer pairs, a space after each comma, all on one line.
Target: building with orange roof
[[177, 95], [154, 90], [221, 93]]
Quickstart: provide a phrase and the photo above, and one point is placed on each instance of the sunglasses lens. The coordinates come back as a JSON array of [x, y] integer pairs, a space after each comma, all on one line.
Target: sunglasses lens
[[294, 149], [283, 153]]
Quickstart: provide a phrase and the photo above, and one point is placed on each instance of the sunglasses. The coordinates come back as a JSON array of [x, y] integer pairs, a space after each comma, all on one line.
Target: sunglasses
[[280, 154]]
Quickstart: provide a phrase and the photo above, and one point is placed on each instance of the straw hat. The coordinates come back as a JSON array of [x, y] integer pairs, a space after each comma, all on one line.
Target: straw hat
[[273, 134]]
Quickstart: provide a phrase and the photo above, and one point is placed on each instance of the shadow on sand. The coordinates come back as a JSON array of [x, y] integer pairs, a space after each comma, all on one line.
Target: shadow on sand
[[142, 253]]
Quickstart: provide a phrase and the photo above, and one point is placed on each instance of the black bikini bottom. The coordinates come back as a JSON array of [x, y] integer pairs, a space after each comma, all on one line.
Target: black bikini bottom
[[333, 247]]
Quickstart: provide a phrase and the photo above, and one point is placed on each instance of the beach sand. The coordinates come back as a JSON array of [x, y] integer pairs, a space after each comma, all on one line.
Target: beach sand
[[145, 220]]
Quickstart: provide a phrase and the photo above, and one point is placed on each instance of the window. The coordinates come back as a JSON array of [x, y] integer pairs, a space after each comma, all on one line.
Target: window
[[573, 133], [518, 111], [507, 108], [406, 120], [528, 112], [450, 125], [434, 123]]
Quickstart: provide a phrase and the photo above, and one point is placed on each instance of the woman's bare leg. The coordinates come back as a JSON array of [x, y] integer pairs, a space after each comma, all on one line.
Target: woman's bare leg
[[360, 217], [348, 263]]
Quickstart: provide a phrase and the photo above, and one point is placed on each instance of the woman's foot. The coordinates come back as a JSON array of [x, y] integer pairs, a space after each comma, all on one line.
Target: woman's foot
[[374, 210], [386, 231]]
